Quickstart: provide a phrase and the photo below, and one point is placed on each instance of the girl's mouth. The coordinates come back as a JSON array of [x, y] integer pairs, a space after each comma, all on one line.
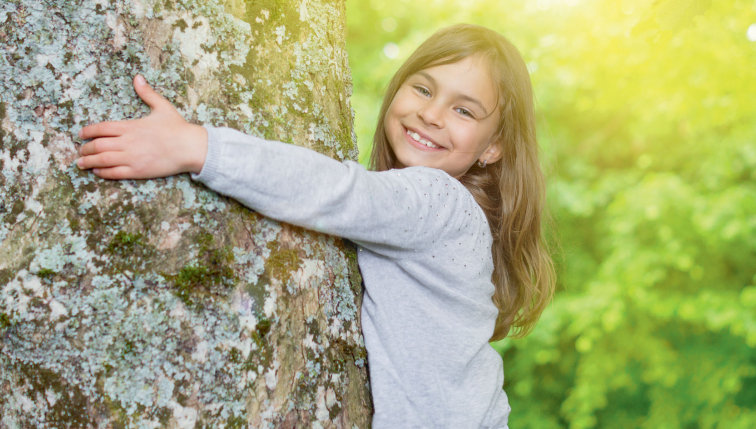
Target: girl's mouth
[[415, 140]]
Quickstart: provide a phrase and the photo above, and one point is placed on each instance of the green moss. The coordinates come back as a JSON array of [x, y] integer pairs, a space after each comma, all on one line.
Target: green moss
[[281, 262], [236, 423], [16, 208], [188, 280], [131, 252], [5, 321], [45, 273], [124, 243], [214, 268], [99, 224], [67, 409], [281, 13], [181, 24], [164, 416], [182, 388], [263, 326], [117, 414], [157, 8], [6, 275], [258, 336], [234, 356], [128, 348], [334, 411]]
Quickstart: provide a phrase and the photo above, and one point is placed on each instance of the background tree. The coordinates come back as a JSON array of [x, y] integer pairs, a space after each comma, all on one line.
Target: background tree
[[158, 303], [647, 123]]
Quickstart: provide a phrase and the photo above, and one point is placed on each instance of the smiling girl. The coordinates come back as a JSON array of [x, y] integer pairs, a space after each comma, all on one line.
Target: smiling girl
[[447, 220]]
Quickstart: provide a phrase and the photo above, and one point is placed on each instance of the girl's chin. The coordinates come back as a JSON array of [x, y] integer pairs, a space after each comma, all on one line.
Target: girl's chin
[[413, 162]]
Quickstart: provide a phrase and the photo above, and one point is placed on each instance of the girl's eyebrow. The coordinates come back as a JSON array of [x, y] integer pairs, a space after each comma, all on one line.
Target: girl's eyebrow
[[462, 96]]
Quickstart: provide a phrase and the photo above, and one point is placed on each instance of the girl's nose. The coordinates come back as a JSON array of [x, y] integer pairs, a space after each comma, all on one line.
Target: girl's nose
[[432, 113]]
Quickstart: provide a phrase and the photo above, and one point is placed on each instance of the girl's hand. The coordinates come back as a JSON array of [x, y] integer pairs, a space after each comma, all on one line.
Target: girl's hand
[[161, 144]]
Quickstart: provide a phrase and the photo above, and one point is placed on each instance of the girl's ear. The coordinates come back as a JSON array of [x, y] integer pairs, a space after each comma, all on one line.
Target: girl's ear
[[492, 153]]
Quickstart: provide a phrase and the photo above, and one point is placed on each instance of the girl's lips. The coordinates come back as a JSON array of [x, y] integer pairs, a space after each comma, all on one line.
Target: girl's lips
[[419, 145]]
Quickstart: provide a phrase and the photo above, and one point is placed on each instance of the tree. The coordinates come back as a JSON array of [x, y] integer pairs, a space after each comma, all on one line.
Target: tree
[[160, 303]]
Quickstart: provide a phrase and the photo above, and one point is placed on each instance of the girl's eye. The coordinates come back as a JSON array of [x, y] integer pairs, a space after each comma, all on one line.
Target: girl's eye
[[465, 112], [422, 90]]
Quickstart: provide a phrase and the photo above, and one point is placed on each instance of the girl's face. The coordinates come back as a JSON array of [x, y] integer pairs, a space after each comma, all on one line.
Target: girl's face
[[454, 108]]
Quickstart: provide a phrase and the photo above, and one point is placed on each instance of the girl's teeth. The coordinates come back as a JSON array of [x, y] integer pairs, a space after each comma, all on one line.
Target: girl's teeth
[[417, 138]]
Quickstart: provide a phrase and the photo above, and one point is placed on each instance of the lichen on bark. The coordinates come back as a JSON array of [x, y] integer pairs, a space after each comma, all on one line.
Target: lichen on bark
[[158, 303]]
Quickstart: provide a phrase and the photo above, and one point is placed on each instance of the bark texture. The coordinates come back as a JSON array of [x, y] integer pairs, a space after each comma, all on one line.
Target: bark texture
[[158, 303]]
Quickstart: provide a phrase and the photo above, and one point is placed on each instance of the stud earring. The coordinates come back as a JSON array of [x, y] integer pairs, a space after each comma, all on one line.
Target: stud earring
[[483, 165]]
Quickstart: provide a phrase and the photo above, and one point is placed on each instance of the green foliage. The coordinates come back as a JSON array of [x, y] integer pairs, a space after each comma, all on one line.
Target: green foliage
[[648, 138]]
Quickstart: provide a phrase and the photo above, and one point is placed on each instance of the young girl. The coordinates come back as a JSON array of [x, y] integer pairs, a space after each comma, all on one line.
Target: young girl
[[448, 223]]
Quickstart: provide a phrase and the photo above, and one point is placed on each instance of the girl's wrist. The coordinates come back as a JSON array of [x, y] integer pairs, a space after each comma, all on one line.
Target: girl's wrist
[[196, 148]]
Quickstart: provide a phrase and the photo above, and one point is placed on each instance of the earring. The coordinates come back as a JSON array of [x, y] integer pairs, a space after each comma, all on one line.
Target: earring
[[483, 165]]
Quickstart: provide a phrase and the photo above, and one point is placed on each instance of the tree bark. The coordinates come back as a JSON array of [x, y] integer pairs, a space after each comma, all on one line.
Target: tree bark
[[158, 303]]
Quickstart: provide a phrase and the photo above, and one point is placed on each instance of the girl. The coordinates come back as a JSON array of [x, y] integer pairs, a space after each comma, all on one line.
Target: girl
[[448, 222]]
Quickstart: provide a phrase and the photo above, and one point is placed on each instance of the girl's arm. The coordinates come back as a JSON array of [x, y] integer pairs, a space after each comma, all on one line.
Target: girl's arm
[[401, 209]]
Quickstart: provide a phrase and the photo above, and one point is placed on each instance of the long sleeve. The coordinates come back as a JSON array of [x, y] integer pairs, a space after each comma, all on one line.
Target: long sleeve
[[396, 209]]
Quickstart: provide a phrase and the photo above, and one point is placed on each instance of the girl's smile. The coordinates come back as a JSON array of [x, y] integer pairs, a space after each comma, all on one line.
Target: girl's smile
[[421, 140], [445, 117]]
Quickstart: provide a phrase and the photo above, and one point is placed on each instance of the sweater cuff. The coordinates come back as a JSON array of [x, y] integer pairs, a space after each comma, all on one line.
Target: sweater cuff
[[210, 169]]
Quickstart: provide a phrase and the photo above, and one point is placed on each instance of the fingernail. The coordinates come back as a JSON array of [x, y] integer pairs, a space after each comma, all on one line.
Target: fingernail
[[80, 162], [140, 80], [96, 171]]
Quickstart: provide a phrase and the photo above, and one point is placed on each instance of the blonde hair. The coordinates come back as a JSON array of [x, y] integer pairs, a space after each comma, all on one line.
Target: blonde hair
[[510, 191]]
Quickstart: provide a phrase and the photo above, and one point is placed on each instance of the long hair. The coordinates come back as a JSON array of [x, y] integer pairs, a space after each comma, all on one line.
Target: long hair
[[511, 191]]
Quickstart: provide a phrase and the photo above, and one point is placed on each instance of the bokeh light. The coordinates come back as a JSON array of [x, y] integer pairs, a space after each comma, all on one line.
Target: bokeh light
[[391, 50], [389, 24]]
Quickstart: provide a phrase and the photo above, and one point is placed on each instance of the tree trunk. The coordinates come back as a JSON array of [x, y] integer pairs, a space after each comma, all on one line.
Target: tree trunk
[[158, 303]]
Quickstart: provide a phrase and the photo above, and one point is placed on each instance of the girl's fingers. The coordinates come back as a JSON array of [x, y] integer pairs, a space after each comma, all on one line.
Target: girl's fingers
[[103, 144], [101, 160], [114, 173], [149, 95], [103, 129]]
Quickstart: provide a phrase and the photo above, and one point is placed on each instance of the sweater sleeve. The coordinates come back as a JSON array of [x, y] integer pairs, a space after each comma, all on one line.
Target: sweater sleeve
[[395, 209]]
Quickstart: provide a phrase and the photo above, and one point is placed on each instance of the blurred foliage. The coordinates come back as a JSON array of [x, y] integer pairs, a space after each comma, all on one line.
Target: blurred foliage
[[648, 135]]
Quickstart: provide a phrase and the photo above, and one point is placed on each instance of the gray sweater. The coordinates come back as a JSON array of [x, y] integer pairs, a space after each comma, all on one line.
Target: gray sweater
[[425, 258]]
